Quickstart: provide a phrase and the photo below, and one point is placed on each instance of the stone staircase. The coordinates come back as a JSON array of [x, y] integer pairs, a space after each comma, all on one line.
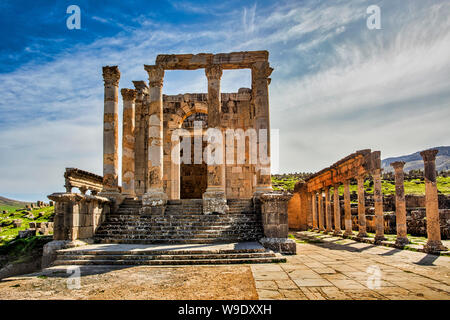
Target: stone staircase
[[120, 254], [182, 222]]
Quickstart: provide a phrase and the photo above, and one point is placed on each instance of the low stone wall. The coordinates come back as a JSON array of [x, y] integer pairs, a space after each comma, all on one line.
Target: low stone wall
[[77, 216]]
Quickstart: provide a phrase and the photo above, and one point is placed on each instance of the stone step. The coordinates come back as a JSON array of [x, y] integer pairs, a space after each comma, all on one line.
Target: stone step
[[171, 262], [171, 241]]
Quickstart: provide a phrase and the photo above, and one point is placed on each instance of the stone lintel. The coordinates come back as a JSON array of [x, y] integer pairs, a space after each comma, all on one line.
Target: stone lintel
[[70, 197], [233, 60]]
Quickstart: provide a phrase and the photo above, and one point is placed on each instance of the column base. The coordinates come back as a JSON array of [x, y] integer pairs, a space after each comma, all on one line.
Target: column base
[[348, 233], [401, 241], [434, 246], [337, 233], [154, 198], [214, 201], [362, 234], [380, 238]]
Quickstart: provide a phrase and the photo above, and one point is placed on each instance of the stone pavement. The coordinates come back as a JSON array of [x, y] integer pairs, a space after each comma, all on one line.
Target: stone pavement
[[347, 269]]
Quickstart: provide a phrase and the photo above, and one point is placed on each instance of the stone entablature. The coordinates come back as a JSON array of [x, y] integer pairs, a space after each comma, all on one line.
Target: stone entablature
[[83, 180]]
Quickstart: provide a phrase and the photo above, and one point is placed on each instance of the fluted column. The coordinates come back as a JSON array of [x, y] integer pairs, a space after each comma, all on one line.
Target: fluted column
[[337, 211], [314, 210], [347, 209], [111, 76], [260, 99], [434, 242], [400, 203], [155, 195], [361, 208], [378, 199], [128, 141], [214, 199], [329, 227], [320, 211]]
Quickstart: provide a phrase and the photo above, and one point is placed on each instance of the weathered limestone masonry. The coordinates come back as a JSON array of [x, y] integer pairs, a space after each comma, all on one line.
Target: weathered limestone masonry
[[275, 223], [431, 201], [151, 178], [129, 96], [111, 76], [378, 202], [400, 203], [356, 165]]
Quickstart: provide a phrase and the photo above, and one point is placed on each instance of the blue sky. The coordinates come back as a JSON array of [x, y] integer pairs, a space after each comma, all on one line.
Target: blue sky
[[337, 86]]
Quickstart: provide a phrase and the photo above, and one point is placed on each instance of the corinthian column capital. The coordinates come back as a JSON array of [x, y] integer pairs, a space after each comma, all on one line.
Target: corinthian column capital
[[155, 75], [398, 165], [213, 72], [128, 94], [111, 75], [429, 155], [261, 70]]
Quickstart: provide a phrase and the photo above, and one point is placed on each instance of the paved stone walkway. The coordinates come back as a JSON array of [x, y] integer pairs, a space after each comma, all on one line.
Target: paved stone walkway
[[346, 269]]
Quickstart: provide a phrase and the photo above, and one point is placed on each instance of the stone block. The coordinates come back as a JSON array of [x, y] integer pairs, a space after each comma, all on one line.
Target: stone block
[[27, 233]]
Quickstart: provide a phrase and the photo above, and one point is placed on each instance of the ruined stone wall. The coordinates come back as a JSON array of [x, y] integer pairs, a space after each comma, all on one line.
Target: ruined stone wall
[[236, 114]]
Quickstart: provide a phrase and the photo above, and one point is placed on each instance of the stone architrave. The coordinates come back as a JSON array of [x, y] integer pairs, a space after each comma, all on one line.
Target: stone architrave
[[214, 199], [434, 243], [347, 209], [111, 76], [337, 211], [260, 100], [378, 199], [400, 204], [155, 195], [128, 142], [361, 208], [320, 211], [329, 227]]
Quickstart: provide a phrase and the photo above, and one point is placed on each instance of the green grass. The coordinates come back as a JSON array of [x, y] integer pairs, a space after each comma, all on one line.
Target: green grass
[[9, 232], [414, 186], [23, 250]]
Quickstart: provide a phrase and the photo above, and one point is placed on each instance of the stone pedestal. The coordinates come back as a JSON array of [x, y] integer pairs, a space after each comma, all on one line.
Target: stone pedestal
[[378, 199], [347, 209], [400, 204], [337, 211], [275, 222], [155, 195], [362, 232], [434, 243]]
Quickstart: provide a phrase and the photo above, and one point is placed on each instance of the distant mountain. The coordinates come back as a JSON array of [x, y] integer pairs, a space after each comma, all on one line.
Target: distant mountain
[[9, 202], [414, 161]]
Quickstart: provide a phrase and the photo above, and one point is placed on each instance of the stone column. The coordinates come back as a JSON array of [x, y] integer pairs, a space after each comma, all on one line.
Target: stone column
[[347, 209], [260, 100], [378, 199], [314, 210], [400, 204], [320, 211], [434, 243], [155, 195], [337, 211], [214, 199], [328, 210], [129, 96], [111, 76], [140, 138], [361, 208]]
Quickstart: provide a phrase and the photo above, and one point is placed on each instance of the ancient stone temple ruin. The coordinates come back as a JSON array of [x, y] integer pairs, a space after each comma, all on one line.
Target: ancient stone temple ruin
[[174, 190]]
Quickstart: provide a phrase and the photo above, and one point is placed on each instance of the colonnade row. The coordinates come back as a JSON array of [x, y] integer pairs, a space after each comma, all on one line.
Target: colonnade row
[[321, 215], [151, 98]]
